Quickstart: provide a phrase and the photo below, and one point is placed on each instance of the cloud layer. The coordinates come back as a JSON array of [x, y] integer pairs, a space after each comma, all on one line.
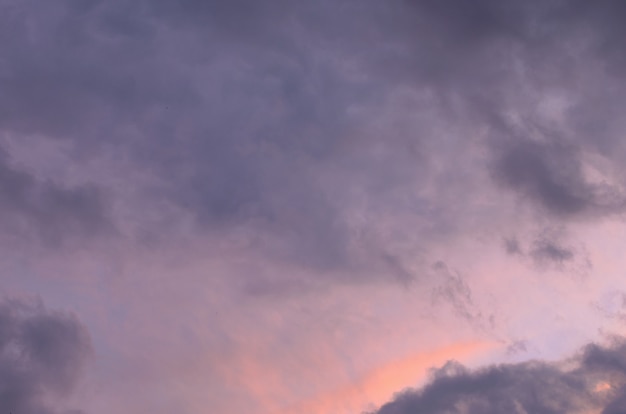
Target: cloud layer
[[303, 132]]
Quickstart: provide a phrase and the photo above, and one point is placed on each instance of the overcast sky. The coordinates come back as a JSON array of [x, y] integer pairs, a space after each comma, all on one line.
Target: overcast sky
[[312, 207]]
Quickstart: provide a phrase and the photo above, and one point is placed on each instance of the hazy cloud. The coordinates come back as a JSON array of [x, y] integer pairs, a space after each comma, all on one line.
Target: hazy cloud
[[454, 290], [49, 211], [546, 250], [512, 246]]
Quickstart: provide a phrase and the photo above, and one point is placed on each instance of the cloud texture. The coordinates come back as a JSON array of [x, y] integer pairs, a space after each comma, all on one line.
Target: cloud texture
[[222, 190], [289, 122]]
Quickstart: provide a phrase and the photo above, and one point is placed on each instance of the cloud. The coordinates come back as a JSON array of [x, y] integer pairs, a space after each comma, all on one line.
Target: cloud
[[249, 155], [317, 135], [549, 249], [512, 246], [42, 354], [546, 175], [51, 212], [228, 148], [454, 290], [593, 380], [546, 250], [550, 175]]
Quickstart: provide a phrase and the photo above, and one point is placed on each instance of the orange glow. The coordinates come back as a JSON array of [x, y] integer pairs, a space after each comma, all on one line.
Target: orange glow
[[602, 386], [379, 385]]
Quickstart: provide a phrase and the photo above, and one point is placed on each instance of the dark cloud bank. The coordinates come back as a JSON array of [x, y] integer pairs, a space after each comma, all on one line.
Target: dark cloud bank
[[593, 381], [285, 120], [42, 354]]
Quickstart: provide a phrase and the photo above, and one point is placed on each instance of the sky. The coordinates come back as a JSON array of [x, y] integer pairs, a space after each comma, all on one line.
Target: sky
[[312, 207]]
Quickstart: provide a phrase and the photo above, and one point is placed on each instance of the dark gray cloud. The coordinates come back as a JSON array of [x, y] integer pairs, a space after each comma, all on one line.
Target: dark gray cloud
[[236, 134], [307, 126], [42, 355], [551, 249], [593, 380], [547, 175], [551, 176], [498, 59]]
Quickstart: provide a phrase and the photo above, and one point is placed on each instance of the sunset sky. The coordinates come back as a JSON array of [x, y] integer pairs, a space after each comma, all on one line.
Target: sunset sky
[[312, 207]]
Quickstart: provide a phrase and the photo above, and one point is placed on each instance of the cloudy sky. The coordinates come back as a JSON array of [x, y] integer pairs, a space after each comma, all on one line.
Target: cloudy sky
[[312, 207]]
